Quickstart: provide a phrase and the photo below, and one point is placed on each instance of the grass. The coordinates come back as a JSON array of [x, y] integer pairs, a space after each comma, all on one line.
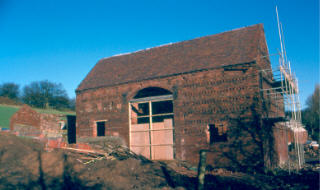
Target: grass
[[5, 114], [52, 111]]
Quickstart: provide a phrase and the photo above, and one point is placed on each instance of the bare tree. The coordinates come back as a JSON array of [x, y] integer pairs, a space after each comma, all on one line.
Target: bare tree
[[310, 116], [45, 94]]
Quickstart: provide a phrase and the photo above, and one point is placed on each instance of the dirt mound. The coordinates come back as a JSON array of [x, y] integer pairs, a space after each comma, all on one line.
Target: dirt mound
[[24, 164]]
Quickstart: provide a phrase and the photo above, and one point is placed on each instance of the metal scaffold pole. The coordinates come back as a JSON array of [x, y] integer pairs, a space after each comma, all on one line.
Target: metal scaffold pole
[[284, 90]]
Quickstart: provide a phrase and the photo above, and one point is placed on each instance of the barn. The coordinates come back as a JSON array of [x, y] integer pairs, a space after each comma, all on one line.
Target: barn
[[170, 102]]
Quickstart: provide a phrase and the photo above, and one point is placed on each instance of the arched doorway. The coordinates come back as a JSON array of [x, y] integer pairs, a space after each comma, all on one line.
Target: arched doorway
[[151, 123]]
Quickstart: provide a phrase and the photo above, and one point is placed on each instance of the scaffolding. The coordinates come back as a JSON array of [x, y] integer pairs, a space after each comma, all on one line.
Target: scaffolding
[[284, 95], [283, 92]]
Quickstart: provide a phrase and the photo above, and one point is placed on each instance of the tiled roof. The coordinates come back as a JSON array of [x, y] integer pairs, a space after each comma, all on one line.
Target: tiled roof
[[227, 48]]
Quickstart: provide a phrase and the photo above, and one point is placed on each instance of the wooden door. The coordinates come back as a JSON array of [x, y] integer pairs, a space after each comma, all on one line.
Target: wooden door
[[151, 128]]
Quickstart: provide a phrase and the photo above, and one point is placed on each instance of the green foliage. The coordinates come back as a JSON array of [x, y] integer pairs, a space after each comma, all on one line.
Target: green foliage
[[310, 116], [5, 114], [10, 90]]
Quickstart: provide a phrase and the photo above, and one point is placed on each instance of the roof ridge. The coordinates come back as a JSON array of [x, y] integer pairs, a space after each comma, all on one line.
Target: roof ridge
[[229, 47]]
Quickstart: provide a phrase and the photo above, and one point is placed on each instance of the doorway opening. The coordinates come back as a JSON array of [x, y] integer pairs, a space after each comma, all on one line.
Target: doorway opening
[[101, 128], [152, 124], [71, 127]]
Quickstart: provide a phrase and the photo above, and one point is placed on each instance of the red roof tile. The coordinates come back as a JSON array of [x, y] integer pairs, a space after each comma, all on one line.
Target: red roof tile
[[228, 48]]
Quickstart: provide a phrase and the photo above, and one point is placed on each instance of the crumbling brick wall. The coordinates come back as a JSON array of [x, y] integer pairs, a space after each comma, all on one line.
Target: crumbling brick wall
[[28, 122], [51, 125], [25, 122]]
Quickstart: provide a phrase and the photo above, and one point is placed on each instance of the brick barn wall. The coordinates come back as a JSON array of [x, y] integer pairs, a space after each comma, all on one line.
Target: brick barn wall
[[200, 98], [274, 108]]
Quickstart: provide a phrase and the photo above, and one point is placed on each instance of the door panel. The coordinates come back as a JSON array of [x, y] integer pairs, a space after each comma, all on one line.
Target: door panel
[[140, 139], [151, 129]]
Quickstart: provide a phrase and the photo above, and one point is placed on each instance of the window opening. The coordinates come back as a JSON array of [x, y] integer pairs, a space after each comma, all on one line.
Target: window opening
[[161, 110], [156, 119], [101, 128], [162, 107], [217, 133], [140, 113]]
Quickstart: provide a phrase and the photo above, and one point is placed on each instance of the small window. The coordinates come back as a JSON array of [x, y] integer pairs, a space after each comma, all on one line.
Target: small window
[[101, 128], [141, 109], [217, 133], [156, 119], [162, 107], [143, 120]]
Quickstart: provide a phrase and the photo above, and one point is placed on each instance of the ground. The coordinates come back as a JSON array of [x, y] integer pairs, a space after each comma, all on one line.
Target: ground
[[26, 164]]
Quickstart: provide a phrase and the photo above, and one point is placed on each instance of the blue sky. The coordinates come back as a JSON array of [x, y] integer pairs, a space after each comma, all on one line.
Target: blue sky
[[61, 40]]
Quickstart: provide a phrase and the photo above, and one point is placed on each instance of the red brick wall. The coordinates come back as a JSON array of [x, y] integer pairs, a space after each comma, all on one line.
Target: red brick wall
[[26, 122], [211, 96], [281, 143], [300, 134], [274, 108], [200, 98], [50, 125]]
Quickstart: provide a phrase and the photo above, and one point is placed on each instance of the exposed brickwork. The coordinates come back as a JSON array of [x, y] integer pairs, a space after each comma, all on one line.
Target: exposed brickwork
[[280, 133], [300, 134], [28, 122], [200, 97], [51, 125]]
